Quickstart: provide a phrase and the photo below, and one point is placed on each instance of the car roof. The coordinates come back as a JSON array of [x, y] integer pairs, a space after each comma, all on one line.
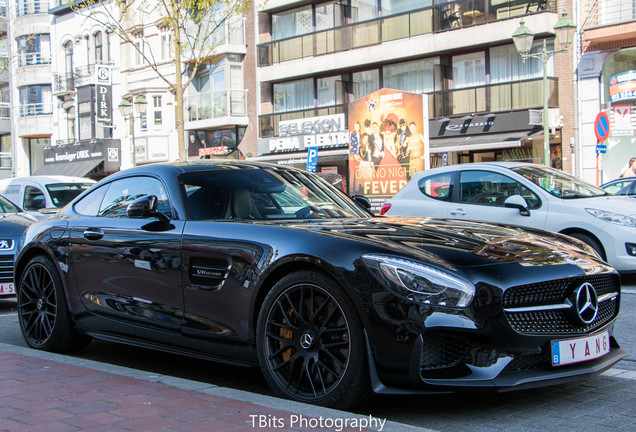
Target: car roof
[[45, 180], [620, 179], [474, 165]]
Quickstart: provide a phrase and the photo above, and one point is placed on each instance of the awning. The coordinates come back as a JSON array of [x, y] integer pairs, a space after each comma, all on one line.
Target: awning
[[75, 169], [481, 142], [292, 158]]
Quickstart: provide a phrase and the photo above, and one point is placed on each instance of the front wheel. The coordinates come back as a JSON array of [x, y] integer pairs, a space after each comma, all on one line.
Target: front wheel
[[43, 315], [590, 241], [310, 342]]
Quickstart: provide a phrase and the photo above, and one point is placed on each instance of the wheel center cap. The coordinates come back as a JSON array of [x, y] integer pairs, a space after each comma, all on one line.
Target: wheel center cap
[[307, 340], [40, 304]]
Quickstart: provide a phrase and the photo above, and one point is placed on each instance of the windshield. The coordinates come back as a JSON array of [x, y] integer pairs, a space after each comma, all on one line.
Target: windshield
[[263, 194], [63, 193], [558, 183], [7, 206]]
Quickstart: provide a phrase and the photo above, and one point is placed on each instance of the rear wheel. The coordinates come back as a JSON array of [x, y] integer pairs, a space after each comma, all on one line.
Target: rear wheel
[[43, 315], [310, 342]]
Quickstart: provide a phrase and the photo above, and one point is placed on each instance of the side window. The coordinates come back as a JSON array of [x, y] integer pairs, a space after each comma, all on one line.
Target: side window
[[33, 198], [89, 205], [123, 192], [489, 188], [437, 186], [619, 188]]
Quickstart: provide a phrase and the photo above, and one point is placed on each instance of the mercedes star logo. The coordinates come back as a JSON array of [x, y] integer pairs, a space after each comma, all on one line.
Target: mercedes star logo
[[586, 303], [306, 341]]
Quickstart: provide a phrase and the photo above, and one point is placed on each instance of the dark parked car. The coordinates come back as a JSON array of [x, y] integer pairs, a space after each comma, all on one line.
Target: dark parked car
[[13, 222], [621, 186], [267, 266]]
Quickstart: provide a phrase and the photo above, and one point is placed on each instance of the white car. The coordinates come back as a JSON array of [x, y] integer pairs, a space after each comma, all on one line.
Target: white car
[[39, 192], [529, 195]]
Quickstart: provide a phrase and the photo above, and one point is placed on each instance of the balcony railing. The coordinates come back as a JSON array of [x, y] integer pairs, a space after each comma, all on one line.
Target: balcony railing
[[231, 32], [510, 96], [598, 13], [24, 7], [437, 18], [210, 105], [5, 110], [36, 109], [63, 83], [30, 59]]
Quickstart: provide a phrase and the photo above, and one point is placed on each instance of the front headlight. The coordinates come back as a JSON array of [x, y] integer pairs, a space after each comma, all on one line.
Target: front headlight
[[420, 283], [615, 218]]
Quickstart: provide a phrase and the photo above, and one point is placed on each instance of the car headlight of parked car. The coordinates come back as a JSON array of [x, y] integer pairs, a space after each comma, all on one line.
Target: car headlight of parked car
[[420, 283], [615, 218]]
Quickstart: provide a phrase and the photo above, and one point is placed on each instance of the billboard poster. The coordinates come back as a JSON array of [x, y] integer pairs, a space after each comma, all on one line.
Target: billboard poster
[[623, 86], [388, 142]]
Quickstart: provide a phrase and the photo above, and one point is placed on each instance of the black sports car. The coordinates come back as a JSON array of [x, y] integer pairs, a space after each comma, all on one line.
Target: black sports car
[[254, 264]]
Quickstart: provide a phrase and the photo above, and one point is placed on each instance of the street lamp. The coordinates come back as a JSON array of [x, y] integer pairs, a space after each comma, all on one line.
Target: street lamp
[[125, 107], [522, 37]]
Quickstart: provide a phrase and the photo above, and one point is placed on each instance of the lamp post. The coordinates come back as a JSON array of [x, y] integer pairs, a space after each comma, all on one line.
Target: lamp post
[[125, 107], [522, 37]]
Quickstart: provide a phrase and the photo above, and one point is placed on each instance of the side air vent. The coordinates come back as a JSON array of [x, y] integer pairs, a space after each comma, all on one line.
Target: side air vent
[[209, 272]]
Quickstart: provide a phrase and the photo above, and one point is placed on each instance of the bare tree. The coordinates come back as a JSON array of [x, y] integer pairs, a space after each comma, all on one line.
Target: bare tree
[[191, 24]]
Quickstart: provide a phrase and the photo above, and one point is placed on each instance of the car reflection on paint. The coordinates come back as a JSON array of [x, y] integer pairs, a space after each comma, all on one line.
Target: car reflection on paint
[[269, 266]]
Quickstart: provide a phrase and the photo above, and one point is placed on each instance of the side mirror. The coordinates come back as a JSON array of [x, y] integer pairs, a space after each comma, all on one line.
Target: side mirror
[[362, 200], [518, 202], [144, 207]]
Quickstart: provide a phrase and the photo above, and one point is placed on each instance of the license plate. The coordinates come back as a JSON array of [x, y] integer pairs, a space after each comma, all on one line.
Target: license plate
[[7, 288], [581, 349]]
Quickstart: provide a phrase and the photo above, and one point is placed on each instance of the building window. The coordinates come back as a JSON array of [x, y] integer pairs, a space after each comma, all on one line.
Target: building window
[[99, 47], [5, 151], [390, 7], [291, 23], [68, 57], [328, 90], [366, 82], [363, 10], [506, 65], [28, 7], [35, 99], [415, 77], [140, 45], [34, 49], [157, 110], [294, 95], [469, 70], [166, 46]]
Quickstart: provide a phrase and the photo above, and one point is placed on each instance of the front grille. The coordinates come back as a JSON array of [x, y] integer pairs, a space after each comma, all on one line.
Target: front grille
[[6, 268], [443, 351], [529, 362], [558, 321]]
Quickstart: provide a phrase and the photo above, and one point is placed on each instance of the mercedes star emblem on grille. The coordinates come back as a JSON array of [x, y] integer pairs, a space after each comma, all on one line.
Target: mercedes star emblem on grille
[[586, 303]]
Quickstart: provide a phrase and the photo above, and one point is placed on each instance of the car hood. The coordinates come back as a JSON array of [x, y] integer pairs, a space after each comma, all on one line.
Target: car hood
[[625, 205], [454, 243], [14, 224]]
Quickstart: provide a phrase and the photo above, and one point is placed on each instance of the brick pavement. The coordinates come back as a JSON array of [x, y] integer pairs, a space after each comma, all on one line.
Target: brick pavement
[[51, 393]]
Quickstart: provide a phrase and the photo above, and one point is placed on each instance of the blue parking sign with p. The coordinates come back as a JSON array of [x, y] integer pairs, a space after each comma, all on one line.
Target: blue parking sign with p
[[312, 159]]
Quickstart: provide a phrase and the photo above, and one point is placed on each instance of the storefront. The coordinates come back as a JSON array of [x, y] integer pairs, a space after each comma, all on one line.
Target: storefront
[[217, 143], [327, 134], [94, 160]]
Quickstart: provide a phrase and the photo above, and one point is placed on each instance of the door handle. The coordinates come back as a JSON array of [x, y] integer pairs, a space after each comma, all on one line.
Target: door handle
[[458, 212], [93, 234]]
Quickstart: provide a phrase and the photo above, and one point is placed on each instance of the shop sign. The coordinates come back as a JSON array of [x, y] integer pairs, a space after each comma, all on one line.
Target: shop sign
[[300, 134], [103, 94], [623, 86], [622, 124], [213, 151], [71, 153]]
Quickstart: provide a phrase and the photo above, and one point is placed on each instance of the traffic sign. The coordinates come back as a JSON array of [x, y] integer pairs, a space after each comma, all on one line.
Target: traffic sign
[[601, 148], [312, 159], [601, 127]]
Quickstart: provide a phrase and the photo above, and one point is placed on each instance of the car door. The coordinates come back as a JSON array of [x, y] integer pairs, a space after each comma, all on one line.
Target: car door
[[128, 268], [480, 195]]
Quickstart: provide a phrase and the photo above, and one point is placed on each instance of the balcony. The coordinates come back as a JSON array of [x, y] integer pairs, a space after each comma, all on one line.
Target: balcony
[[608, 21], [228, 38], [36, 109], [433, 19], [214, 105], [31, 59], [510, 96], [63, 83]]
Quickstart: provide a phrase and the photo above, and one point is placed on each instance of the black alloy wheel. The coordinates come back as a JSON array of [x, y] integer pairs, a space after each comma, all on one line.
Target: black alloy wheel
[[310, 342], [42, 311]]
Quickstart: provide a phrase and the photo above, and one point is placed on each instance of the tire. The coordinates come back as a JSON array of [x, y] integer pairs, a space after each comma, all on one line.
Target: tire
[[590, 241], [44, 318], [310, 342]]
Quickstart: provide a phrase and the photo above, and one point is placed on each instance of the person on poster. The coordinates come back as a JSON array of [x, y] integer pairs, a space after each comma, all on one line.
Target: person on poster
[[376, 144], [631, 169], [389, 131], [365, 168], [354, 141], [402, 148], [416, 150]]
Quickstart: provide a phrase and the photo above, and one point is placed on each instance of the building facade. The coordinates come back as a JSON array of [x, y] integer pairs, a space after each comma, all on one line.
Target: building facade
[[5, 96], [483, 100], [606, 82]]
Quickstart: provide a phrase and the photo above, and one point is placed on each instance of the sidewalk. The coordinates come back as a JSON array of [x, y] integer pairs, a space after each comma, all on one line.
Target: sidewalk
[[47, 392]]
